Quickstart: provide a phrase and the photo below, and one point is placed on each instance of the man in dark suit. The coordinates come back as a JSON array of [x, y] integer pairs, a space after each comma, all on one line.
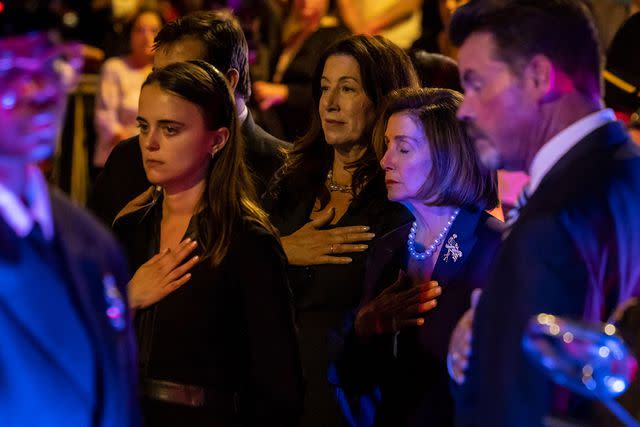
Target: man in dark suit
[[68, 354], [531, 74], [215, 37]]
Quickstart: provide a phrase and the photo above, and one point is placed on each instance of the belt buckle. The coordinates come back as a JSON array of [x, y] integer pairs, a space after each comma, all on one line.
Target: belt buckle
[[183, 394]]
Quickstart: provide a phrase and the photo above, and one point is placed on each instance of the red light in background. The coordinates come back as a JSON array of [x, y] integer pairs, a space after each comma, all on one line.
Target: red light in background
[[1, 7]]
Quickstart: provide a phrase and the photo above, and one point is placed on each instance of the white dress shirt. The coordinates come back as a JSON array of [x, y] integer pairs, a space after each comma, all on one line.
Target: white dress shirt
[[562, 142], [242, 115], [20, 217]]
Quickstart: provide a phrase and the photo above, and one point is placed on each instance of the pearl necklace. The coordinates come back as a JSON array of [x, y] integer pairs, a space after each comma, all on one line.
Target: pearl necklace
[[411, 241], [334, 186]]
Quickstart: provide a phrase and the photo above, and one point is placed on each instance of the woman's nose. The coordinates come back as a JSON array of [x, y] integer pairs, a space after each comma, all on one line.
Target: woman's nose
[[330, 101], [386, 161], [150, 141]]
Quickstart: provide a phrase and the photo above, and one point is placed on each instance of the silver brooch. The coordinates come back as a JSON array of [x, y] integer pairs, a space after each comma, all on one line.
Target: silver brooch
[[453, 250], [116, 309]]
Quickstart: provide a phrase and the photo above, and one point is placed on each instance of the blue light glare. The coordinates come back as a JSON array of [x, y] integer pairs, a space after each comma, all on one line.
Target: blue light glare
[[9, 100]]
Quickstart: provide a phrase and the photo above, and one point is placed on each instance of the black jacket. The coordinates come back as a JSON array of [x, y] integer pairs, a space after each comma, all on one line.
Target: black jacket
[[325, 294], [414, 383], [228, 329], [579, 235]]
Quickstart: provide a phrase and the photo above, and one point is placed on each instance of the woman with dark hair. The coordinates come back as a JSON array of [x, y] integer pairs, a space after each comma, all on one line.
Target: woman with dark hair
[[419, 279], [436, 70], [329, 200], [285, 99], [215, 330]]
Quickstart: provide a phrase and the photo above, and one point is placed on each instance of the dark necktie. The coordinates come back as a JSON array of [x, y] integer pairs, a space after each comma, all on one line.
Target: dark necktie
[[521, 201]]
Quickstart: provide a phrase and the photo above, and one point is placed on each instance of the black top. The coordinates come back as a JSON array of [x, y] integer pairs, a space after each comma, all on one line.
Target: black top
[[123, 176], [229, 329], [413, 378], [325, 294]]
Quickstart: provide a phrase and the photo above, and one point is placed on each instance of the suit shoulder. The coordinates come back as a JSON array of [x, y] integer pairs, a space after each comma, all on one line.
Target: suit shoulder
[[124, 149], [491, 225], [260, 137]]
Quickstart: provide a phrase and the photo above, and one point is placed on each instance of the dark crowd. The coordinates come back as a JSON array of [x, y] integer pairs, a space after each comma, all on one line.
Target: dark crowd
[[350, 213]]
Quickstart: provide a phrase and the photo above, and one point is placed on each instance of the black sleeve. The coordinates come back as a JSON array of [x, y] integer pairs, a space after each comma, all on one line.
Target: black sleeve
[[362, 361], [275, 370]]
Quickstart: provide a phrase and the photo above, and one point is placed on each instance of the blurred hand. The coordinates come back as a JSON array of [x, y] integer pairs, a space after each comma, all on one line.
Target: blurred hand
[[460, 343], [397, 307], [92, 53], [312, 246], [269, 94], [161, 275]]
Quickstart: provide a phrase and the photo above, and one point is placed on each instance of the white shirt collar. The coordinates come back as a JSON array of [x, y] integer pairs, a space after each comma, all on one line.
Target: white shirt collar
[[22, 218], [242, 115], [562, 142]]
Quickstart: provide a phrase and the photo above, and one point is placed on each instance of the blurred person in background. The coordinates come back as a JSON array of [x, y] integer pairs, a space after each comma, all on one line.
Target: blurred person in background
[[436, 70], [119, 87], [69, 352], [308, 28], [622, 70], [396, 20]]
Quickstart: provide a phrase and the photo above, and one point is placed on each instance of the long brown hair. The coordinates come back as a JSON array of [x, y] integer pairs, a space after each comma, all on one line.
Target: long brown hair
[[229, 198], [383, 68]]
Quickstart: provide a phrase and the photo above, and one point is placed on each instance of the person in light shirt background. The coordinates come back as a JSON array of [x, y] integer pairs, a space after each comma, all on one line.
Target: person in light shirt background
[[119, 89]]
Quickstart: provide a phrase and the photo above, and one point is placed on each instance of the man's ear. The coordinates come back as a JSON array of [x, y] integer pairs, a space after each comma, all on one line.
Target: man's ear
[[233, 77], [219, 139], [540, 75]]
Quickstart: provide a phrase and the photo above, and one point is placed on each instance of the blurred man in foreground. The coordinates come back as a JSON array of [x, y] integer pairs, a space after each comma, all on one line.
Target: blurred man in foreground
[[67, 356]]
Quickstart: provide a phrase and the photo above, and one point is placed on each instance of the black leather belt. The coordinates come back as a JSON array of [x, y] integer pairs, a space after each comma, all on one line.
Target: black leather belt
[[190, 395]]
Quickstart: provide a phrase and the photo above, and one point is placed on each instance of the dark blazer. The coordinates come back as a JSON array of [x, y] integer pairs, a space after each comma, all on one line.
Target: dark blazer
[[123, 177], [413, 383], [292, 118], [39, 377], [228, 329], [579, 232]]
